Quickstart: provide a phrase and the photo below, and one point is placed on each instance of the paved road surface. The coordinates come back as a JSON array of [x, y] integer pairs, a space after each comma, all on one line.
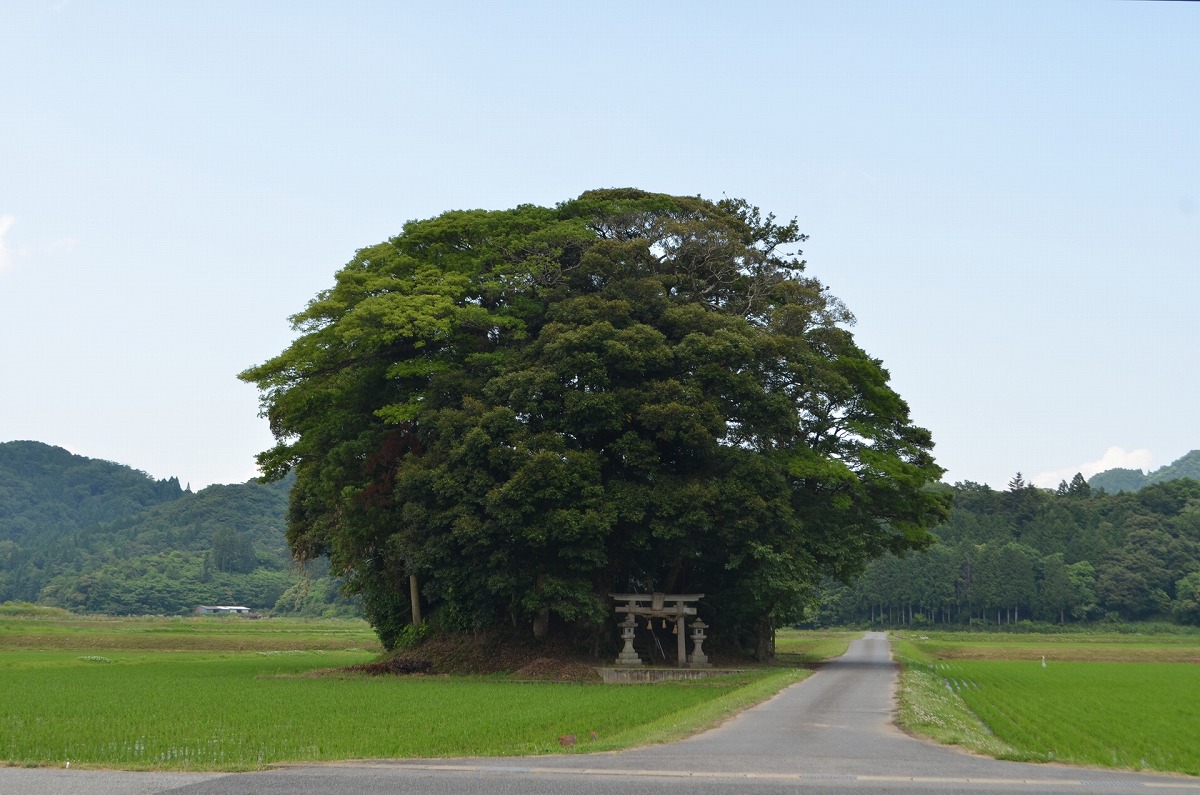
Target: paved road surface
[[827, 735]]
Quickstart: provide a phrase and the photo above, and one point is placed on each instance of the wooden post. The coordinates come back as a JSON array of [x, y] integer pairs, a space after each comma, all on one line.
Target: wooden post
[[681, 643]]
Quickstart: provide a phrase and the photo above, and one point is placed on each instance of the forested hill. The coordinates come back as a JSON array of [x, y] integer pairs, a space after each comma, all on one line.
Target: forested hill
[[47, 492], [1069, 555], [1115, 480], [95, 536]]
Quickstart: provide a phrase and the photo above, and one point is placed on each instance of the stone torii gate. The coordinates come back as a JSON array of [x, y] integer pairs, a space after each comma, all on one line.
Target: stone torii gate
[[675, 607]]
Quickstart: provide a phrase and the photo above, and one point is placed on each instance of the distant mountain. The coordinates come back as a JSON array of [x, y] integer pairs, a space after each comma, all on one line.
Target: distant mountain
[[249, 513], [1186, 467], [1115, 481], [47, 492], [1118, 480], [95, 536]]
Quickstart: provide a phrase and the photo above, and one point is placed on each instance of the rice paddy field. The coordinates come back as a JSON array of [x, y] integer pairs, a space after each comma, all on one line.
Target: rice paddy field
[[803, 647], [1121, 701], [231, 694]]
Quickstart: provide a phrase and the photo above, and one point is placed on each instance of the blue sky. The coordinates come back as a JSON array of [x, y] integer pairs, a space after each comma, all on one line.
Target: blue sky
[[1007, 195]]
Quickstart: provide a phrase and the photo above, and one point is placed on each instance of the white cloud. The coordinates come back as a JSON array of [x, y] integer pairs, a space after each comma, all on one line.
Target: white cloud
[[1113, 458], [6, 222], [10, 256], [65, 244]]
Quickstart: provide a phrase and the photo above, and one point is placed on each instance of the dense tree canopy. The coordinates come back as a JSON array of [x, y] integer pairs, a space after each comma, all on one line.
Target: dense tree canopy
[[1070, 555], [527, 409]]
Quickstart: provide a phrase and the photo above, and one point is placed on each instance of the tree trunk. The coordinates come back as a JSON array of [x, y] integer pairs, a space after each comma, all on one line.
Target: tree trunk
[[541, 623], [764, 647], [414, 598]]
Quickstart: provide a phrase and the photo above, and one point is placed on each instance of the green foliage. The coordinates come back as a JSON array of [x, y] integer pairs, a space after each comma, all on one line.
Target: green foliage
[[28, 610], [1079, 487], [225, 545], [317, 597], [232, 551], [49, 498], [412, 635], [1186, 607], [528, 409], [93, 536], [1069, 555], [58, 493]]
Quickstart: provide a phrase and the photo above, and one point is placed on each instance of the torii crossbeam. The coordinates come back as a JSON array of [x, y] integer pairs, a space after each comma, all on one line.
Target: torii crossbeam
[[656, 605]]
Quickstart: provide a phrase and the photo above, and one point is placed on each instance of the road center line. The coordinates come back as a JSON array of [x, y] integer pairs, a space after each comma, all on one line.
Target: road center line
[[797, 777]]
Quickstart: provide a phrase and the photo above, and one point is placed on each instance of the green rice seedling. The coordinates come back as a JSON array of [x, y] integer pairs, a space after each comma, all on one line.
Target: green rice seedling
[[930, 706], [1049, 698], [190, 633], [242, 710], [1126, 715], [227, 693], [801, 647], [1079, 647]]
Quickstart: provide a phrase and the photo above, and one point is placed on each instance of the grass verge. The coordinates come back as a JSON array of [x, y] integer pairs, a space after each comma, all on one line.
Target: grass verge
[[930, 707]]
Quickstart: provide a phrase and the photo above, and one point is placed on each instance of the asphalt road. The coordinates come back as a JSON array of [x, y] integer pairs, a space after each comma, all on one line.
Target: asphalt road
[[831, 733]]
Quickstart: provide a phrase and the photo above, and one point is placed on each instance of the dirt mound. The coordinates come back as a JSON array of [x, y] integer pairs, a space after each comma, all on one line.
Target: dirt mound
[[488, 653], [393, 666], [557, 670]]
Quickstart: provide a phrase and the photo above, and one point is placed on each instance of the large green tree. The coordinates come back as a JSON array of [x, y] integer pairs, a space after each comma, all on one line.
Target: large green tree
[[521, 411]]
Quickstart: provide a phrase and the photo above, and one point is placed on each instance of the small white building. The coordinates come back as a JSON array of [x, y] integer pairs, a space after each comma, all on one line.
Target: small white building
[[208, 610]]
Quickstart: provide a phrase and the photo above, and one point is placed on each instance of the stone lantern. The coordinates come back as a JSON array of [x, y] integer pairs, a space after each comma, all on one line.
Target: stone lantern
[[697, 658], [628, 656]]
